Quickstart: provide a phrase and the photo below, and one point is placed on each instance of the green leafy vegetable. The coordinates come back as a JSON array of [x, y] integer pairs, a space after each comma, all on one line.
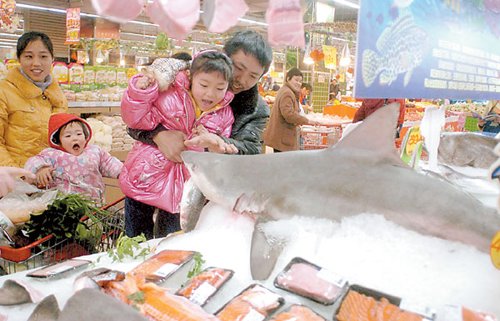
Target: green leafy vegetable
[[198, 265], [129, 247], [63, 217], [136, 298]]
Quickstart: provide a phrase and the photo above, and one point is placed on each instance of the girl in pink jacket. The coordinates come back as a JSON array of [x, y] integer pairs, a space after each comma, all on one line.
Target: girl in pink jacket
[[71, 165], [178, 99]]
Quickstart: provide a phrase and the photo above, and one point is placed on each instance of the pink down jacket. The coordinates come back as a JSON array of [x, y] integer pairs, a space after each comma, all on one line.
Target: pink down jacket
[[147, 176]]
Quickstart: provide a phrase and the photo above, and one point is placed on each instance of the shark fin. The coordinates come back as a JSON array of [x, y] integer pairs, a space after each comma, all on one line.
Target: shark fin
[[263, 254], [375, 134]]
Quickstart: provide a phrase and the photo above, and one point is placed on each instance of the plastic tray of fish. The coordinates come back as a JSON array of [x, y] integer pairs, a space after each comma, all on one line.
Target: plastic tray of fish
[[391, 307], [297, 312], [203, 286], [254, 303], [163, 264], [311, 281]]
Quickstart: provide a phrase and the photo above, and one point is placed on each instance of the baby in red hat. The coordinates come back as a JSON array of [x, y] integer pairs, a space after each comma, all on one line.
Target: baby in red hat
[[71, 164]]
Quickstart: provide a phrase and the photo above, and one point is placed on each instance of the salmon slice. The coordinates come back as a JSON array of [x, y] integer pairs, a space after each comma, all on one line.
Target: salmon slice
[[298, 313], [359, 307], [201, 287], [162, 264]]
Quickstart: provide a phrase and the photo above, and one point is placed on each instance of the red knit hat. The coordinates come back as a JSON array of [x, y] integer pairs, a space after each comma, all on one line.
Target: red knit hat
[[56, 121]]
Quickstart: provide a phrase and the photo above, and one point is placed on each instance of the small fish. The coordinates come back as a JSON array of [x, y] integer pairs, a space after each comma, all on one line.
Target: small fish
[[400, 48]]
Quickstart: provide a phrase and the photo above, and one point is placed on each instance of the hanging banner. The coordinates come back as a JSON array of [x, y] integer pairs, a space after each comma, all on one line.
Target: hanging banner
[[330, 53], [428, 49], [72, 25]]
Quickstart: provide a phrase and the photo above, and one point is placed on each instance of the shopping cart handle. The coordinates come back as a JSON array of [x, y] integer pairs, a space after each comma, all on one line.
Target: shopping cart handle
[[22, 253]]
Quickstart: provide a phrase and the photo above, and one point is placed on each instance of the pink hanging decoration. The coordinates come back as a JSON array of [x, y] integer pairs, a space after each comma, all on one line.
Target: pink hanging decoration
[[118, 10], [175, 17], [220, 15], [286, 27]]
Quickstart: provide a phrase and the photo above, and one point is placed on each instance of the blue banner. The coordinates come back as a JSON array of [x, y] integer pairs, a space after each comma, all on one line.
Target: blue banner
[[428, 49]]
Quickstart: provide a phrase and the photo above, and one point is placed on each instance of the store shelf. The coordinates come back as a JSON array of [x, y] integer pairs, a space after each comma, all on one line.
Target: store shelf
[[83, 107]]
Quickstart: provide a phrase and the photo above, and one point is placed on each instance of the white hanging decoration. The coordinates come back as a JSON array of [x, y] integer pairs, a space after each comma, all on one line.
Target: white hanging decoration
[[286, 27], [220, 15], [117, 10], [175, 17]]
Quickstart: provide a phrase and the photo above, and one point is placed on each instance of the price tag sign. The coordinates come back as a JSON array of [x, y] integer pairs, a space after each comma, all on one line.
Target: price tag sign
[[495, 250]]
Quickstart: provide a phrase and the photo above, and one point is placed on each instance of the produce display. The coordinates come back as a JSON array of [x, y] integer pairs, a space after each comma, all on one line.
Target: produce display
[[110, 133]]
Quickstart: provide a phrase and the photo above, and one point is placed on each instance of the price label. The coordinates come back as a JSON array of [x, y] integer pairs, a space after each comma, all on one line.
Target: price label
[[166, 269], [202, 293], [253, 315], [331, 277], [495, 250]]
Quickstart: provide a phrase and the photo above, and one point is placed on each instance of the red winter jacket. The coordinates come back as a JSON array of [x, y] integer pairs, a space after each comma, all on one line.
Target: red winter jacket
[[369, 106], [147, 176]]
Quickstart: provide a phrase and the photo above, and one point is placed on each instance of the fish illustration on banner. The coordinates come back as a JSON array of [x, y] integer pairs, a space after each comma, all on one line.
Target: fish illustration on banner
[[399, 51]]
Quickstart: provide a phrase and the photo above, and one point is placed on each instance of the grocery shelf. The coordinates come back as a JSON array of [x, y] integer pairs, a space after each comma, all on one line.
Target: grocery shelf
[[83, 107]]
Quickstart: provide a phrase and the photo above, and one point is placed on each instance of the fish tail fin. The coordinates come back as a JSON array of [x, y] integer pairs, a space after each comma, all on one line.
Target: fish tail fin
[[370, 66], [263, 253]]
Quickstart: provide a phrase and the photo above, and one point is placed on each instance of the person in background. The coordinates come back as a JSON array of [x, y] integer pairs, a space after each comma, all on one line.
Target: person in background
[[71, 164], [192, 102], [305, 91], [8, 176], [490, 123], [333, 90], [28, 96], [281, 132], [370, 105], [251, 56]]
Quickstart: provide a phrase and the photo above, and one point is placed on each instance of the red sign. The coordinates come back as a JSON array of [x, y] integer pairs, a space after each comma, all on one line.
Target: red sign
[[72, 25]]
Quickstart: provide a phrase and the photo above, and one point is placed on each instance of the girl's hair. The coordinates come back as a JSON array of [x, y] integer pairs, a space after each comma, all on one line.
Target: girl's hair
[[28, 37], [252, 43], [56, 139], [293, 72], [211, 60]]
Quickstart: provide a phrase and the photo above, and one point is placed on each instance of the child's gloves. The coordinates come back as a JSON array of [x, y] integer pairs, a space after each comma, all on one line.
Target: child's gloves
[[164, 70]]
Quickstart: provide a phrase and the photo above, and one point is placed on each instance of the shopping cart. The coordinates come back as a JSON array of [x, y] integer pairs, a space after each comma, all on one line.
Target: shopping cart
[[48, 250], [319, 137]]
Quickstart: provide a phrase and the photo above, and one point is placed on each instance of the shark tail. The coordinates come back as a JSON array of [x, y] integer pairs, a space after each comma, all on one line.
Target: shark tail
[[370, 64]]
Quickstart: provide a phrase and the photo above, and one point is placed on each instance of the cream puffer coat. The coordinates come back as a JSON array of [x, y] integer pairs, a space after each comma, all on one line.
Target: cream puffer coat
[[24, 117]]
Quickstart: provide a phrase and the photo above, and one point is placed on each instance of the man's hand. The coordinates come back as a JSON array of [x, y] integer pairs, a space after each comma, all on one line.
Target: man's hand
[[8, 176], [171, 144], [44, 176], [212, 142]]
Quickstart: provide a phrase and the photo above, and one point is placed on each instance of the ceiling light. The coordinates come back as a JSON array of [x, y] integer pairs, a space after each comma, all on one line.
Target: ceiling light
[[7, 44], [10, 35]]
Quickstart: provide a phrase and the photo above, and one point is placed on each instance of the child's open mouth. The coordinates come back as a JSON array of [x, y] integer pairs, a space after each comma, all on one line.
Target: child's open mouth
[[76, 147]]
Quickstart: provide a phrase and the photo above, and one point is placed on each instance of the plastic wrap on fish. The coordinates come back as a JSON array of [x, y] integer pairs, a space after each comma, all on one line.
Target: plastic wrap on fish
[[285, 23], [160, 305], [298, 313], [361, 303], [461, 313], [163, 264], [254, 303], [204, 285], [311, 281]]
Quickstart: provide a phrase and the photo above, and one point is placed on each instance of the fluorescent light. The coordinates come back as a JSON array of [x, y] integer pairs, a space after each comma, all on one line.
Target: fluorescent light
[[8, 47], [10, 35], [255, 22], [9, 40], [7, 44], [137, 35], [347, 3]]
